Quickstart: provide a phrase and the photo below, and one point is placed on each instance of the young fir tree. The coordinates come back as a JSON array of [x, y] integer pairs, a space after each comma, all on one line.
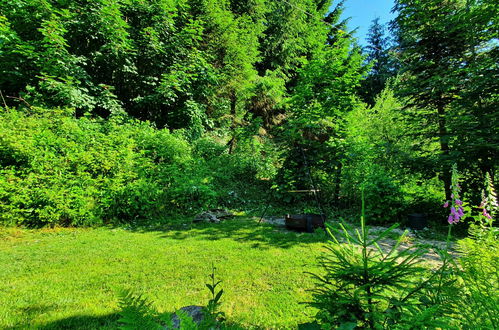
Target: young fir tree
[[366, 286]]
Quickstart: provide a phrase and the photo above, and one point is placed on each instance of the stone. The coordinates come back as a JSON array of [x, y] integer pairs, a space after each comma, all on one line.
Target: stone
[[213, 216], [195, 312]]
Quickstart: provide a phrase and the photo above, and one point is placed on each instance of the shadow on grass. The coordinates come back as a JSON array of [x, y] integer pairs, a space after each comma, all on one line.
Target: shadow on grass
[[79, 322], [89, 322], [240, 229]]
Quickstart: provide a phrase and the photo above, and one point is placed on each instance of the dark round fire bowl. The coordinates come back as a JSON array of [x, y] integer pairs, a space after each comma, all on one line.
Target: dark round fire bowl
[[304, 222]]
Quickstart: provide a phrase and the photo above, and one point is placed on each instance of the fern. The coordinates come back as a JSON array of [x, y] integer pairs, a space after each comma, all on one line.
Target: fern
[[137, 312], [480, 264]]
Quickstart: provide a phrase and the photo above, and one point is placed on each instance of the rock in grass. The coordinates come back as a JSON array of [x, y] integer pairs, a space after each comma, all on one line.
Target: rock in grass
[[196, 313], [213, 216], [206, 217]]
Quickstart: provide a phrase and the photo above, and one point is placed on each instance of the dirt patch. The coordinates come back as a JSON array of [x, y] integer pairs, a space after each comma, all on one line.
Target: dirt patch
[[412, 239]]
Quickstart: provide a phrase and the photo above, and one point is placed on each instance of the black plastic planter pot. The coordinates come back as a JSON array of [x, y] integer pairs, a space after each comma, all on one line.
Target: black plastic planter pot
[[417, 221], [304, 222]]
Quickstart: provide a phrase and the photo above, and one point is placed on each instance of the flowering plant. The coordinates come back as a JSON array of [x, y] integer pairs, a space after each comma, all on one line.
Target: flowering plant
[[456, 204], [489, 206], [489, 201], [484, 221]]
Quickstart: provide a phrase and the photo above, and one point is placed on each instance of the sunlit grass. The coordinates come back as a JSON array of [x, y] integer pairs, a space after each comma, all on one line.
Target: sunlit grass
[[69, 278]]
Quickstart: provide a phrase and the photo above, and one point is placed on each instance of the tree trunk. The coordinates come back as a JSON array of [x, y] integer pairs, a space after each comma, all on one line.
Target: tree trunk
[[233, 102], [337, 185]]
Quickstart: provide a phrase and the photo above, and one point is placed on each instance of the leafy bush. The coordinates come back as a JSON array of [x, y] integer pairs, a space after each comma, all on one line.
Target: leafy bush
[[381, 157], [209, 147], [67, 171], [59, 170]]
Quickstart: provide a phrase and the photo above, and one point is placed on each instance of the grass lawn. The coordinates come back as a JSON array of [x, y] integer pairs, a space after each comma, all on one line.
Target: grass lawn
[[70, 278]]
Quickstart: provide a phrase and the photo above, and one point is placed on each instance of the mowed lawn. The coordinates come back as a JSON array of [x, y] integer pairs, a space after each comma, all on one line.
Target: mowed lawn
[[70, 278]]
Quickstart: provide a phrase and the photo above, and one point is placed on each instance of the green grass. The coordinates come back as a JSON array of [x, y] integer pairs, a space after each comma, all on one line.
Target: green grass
[[70, 278]]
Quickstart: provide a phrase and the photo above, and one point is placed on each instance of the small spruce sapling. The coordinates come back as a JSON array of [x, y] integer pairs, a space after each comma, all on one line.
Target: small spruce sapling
[[367, 286]]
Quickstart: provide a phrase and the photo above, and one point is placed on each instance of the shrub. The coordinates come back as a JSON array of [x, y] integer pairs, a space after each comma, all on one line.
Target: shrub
[[67, 171], [382, 156], [56, 169]]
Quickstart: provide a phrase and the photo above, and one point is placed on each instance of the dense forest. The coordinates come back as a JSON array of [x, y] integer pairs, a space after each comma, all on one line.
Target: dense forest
[[120, 110], [118, 116]]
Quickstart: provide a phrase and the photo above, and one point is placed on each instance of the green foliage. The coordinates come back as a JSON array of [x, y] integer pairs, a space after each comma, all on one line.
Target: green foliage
[[383, 65], [182, 64], [489, 207], [262, 80], [284, 47], [381, 158], [366, 286], [242, 94], [61, 170], [448, 56], [213, 315], [325, 92], [479, 260], [58, 170], [137, 312]]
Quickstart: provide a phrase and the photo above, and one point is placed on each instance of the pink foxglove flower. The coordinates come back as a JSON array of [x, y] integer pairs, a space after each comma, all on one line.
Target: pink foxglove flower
[[456, 210], [489, 199]]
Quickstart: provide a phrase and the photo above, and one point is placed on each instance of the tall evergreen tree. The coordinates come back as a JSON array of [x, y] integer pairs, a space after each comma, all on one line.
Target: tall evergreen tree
[[192, 64], [475, 113], [431, 47], [383, 65], [325, 92], [443, 46]]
